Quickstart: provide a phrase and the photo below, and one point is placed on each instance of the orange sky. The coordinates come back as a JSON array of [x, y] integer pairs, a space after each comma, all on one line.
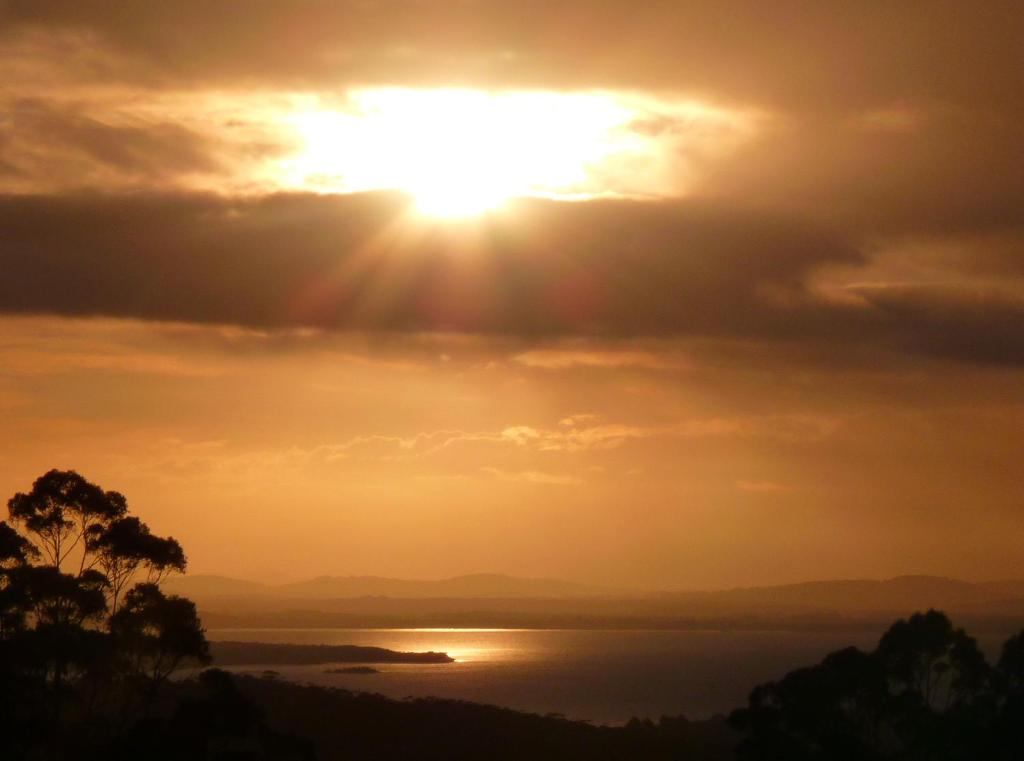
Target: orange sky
[[646, 294]]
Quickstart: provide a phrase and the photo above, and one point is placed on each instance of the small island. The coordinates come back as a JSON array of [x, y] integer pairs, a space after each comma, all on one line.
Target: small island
[[229, 653]]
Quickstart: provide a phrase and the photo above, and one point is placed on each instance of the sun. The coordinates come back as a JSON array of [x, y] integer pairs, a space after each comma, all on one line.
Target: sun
[[464, 156], [457, 200], [457, 152], [460, 152]]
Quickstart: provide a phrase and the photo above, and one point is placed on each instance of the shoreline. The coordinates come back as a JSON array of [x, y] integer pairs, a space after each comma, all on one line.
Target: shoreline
[[233, 653]]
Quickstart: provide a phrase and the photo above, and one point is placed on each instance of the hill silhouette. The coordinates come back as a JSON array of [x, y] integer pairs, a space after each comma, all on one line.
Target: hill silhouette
[[506, 601], [479, 585]]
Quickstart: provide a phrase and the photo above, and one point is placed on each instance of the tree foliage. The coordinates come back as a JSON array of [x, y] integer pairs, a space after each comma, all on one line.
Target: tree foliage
[[159, 632], [61, 512], [925, 692], [124, 546]]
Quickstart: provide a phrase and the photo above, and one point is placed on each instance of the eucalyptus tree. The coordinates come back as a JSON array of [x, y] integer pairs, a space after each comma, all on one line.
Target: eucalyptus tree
[[64, 514], [933, 664], [925, 692], [68, 558], [159, 631], [126, 546], [62, 511], [15, 553]]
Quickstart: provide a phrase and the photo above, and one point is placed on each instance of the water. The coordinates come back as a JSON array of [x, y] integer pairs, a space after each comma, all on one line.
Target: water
[[601, 676]]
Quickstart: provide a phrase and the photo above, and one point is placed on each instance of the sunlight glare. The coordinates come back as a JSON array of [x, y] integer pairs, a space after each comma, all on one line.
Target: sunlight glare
[[460, 152]]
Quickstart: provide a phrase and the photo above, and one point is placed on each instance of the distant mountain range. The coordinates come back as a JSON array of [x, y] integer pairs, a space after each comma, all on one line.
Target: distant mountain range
[[480, 585], [862, 595], [497, 600]]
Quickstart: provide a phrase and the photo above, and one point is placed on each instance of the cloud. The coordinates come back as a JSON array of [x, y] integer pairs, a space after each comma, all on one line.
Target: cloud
[[578, 418], [29, 362], [45, 146], [359, 262], [580, 434], [355, 262], [561, 359], [33, 347], [789, 428], [533, 477], [421, 445], [934, 168], [815, 56], [173, 456], [960, 321], [874, 124]]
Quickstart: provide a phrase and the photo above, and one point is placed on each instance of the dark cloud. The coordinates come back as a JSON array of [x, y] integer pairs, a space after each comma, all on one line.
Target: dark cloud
[[923, 170], [362, 261], [601, 268], [957, 321]]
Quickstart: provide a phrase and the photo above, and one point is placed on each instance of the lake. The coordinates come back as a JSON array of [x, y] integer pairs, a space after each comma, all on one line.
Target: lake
[[603, 676]]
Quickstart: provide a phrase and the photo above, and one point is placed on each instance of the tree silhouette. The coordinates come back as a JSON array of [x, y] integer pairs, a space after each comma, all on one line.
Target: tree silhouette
[[926, 692], [15, 553], [927, 659], [15, 549], [86, 657], [126, 545], [62, 511], [66, 652], [1009, 681], [159, 631]]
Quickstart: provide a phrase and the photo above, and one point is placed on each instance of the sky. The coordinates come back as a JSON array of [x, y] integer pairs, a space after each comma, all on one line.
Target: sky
[[644, 294]]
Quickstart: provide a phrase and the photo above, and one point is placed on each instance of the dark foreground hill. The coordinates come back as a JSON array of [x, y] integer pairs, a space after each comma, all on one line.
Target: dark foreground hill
[[346, 725]]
